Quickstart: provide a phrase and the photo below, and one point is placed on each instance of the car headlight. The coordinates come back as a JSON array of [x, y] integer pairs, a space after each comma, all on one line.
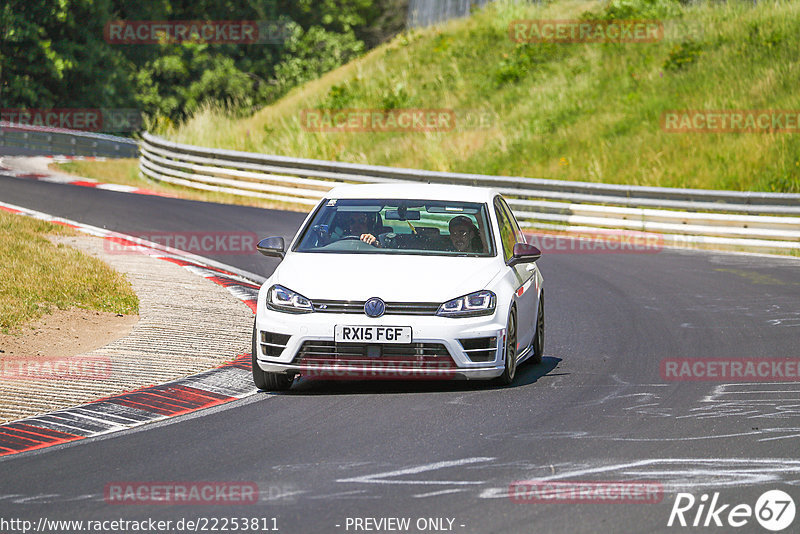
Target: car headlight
[[282, 299], [478, 303]]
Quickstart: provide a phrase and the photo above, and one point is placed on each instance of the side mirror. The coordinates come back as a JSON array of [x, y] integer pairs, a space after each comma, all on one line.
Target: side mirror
[[524, 253], [271, 246]]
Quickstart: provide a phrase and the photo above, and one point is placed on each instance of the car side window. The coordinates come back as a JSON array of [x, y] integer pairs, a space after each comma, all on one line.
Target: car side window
[[520, 237], [507, 235]]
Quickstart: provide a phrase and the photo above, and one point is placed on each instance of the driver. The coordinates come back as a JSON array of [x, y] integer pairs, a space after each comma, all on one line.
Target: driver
[[358, 224]]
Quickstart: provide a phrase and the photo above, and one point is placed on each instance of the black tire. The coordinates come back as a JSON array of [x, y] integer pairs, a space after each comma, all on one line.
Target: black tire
[[538, 337], [264, 380], [510, 370]]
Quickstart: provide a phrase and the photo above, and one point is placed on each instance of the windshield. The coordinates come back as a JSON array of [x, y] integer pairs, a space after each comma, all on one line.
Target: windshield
[[375, 226]]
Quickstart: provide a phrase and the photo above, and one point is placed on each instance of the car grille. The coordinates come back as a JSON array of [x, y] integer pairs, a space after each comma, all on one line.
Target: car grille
[[435, 355], [480, 349], [392, 308]]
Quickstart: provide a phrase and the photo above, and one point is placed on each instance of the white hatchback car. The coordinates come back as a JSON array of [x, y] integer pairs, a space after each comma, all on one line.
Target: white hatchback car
[[401, 282]]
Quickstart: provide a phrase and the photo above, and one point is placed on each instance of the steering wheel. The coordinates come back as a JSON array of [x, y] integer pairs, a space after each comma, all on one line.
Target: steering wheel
[[350, 237]]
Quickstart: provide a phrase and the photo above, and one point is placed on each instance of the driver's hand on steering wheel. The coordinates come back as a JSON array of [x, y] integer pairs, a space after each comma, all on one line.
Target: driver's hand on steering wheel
[[370, 240]]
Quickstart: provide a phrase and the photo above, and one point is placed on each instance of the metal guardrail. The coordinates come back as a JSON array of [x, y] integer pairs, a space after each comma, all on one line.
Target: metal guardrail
[[57, 141], [682, 217], [427, 12]]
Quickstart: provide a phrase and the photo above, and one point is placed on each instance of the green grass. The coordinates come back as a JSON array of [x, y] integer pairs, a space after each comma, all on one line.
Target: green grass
[[37, 276], [116, 171], [588, 112]]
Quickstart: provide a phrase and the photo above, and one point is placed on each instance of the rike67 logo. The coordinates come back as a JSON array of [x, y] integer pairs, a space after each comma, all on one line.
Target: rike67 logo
[[774, 510]]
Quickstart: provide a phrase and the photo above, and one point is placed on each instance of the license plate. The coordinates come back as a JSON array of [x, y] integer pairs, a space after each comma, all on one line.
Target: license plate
[[372, 334]]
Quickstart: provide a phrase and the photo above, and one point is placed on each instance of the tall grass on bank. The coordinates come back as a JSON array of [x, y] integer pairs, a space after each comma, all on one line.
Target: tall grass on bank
[[37, 276], [588, 112]]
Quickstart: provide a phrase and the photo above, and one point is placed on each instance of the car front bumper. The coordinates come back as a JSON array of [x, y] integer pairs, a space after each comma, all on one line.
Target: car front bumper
[[427, 331]]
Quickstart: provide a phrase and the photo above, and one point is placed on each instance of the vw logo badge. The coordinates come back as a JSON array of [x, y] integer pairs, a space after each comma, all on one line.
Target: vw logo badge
[[374, 307]]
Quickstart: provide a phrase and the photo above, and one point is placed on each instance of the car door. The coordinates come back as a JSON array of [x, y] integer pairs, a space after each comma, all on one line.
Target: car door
[[535, 282], [524, 274]]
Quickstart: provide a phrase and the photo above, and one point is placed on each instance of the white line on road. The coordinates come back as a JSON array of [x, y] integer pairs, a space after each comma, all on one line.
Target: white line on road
[[380, 478]]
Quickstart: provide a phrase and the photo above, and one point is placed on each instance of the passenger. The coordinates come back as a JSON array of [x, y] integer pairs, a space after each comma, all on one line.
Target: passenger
[[464, 235]]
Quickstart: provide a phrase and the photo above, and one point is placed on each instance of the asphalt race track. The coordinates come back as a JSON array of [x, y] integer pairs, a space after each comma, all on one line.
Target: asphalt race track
[[596, 409]]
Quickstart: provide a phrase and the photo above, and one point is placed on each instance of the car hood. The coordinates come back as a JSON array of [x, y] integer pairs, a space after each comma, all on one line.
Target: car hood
[[394, 278]]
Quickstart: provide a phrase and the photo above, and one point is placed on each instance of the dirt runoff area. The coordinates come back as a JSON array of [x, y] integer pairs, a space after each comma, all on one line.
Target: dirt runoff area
[[66, 333]]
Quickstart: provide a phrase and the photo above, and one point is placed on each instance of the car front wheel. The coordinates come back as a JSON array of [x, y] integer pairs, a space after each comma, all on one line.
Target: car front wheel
[[510, 369]]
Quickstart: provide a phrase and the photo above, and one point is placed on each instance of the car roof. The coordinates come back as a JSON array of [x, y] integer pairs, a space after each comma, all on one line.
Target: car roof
[[458, 193]]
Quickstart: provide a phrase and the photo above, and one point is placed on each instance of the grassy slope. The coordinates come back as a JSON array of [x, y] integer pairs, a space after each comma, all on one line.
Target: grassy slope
[[585, 112], [36, 275]]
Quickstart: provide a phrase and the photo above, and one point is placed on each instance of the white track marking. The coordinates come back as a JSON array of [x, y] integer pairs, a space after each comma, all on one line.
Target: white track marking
[[435, 493], [339, 494], [683, 474], [380, 478]]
